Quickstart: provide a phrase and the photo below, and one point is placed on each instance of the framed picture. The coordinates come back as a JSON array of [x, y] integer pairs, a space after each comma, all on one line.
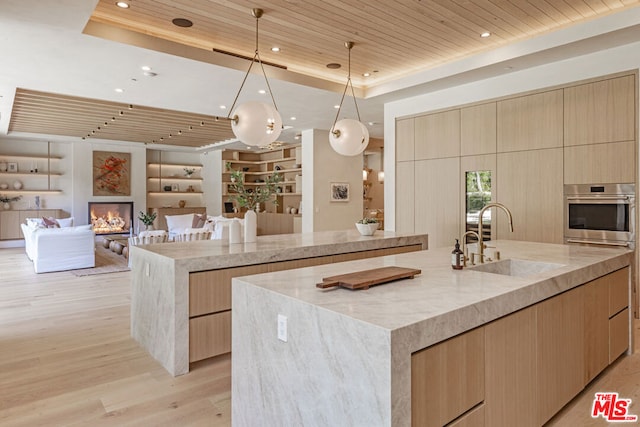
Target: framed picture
[[175, 187], [339, 192], [12, 167], [111, 173]]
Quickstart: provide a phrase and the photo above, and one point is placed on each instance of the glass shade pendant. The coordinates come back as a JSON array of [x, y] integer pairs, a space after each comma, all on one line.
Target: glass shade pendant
[[256, 123], [348, 137]]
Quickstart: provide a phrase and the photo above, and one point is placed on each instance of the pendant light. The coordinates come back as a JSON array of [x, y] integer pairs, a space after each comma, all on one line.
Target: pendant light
[[348, 137], [256, 123]]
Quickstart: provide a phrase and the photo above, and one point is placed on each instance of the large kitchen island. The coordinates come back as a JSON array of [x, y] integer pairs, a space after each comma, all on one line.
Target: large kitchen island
[[502, 344], [181, 291]]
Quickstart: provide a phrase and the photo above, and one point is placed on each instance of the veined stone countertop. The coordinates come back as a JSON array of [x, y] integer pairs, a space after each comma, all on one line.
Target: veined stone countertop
[[160, 278], [349, 352]]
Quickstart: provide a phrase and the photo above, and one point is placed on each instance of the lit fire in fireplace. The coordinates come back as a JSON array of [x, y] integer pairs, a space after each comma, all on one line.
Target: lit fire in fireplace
[[109, 222]]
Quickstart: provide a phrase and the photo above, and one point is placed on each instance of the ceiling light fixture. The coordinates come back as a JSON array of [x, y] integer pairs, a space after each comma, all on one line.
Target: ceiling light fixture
[[485, 34], [348, 137], [122, 4], [275, 49], [366, 74], [256, 123]]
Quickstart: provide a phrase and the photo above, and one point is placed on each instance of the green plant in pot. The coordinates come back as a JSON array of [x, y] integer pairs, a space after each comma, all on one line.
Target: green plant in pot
[[147, 219], [249, 196], [367, 226]]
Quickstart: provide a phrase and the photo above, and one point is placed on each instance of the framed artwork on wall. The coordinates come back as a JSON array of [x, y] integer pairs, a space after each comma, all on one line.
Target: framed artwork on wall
[[339, 192], [111, 173]]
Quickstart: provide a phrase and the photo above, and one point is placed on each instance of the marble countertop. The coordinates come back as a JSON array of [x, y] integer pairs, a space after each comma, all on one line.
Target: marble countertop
[[279, 247], [448, 297]]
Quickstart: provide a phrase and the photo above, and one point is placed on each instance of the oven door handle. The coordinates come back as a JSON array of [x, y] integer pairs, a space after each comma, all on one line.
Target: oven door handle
[[597, 197], [595, 242]]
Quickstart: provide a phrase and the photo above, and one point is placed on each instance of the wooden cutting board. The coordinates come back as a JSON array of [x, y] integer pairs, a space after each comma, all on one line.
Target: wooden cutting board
[[364, 279]]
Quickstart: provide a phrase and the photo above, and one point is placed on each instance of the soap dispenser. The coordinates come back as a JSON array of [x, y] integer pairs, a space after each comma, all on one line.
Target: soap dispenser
[[457, 257]]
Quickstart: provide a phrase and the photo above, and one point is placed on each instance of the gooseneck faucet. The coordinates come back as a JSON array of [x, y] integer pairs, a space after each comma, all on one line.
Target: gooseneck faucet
[[488, 206], [464, 244]]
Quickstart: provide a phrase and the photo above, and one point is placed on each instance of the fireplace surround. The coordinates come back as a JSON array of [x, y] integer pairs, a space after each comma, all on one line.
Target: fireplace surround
[[111, 217]]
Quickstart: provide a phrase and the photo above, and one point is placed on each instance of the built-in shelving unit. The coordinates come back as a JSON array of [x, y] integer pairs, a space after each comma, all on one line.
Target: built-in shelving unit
[[258, 166], [169, 179], [32, 169]]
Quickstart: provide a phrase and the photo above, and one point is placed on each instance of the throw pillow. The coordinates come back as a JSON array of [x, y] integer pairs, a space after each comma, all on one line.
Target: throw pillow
[[198, 220], [50, 222], [65, 222]]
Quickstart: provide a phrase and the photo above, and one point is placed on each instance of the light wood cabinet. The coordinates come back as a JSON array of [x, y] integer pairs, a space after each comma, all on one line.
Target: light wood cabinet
[[437, 135], [600, 163], [560, 351], [529, 183], [478, 129], [510, 370], [405, 137], [437, 203], [10, 221], [209, 336], [405, 197], [447, 379], [530, 122], [596, 323], [619, 327], [602, 111]]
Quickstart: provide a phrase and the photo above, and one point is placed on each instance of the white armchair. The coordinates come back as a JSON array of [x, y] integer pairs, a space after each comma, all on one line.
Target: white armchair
[[193, 234]]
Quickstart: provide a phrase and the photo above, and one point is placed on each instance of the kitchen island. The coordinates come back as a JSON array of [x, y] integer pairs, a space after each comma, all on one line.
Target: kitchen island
[[510, 345], [181, 291]]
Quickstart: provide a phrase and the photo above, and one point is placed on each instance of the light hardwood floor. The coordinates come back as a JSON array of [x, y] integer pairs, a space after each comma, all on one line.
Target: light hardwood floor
[[66, 359]]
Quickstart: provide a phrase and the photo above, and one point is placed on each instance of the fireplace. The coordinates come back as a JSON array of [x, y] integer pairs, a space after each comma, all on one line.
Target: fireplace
[[111, 217]]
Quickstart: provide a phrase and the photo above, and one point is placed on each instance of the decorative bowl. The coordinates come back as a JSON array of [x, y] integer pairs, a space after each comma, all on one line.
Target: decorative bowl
[[4, 186], [367, 229]]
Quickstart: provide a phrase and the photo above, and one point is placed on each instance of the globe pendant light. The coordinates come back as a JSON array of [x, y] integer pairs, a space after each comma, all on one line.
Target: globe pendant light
[[348, 137], [256, 123]]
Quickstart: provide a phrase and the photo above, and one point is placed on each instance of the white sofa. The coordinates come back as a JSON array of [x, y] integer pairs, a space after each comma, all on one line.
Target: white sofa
[[58, 249], [181, 224]]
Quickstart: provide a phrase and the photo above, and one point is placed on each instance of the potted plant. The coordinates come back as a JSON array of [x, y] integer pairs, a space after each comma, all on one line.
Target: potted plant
[[367, 226], [248, 197], [7, 200], [189, 171], [147, 219]]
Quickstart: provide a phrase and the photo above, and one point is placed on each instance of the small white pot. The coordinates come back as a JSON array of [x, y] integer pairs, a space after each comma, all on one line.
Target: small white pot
[[367, 229]]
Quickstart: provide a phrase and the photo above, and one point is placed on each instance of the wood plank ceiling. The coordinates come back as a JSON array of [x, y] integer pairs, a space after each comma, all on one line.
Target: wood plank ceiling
[[394, 37]]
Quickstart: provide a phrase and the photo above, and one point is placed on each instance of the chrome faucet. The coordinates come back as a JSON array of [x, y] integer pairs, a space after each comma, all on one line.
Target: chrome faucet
[[488, 206]]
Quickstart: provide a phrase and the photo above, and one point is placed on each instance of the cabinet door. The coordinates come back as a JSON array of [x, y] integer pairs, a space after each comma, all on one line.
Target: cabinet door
[[530, 122], [601, 163], [510, 370], [598, 112], [405, 140], [560, 352], [437, 135], [447, 379], [530, 184], [437, 200], [478, 129], [596, 323], [9, 225], [405, 197]]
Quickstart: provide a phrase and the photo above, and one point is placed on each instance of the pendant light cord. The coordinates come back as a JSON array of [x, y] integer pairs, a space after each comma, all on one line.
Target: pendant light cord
[[349, 46], [256, 56]]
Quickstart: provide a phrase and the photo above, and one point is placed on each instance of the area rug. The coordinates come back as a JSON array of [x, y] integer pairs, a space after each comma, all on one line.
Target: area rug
[[106, 262]]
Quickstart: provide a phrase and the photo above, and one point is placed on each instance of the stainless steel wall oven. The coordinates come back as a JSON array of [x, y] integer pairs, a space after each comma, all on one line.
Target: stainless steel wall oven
[[600, 214]]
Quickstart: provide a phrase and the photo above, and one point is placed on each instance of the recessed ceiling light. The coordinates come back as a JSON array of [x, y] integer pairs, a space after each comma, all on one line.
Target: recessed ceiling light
[[366, 74], [146, 68], [336, 106], [122, 4], [275, 49], [292, 118], [119, 90], [485, 34], [182, 22], [262, 91], [223, 107]]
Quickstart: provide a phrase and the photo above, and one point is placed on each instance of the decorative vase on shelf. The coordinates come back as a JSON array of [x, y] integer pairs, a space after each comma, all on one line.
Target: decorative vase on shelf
[[182, 203], [6, 206], [17, 185], [250, 226]]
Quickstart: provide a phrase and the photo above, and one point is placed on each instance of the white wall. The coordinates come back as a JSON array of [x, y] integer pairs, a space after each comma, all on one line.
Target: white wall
[[322, 166], [609, 61]]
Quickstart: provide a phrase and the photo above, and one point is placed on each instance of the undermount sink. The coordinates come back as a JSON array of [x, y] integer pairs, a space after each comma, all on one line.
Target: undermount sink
[[516, 267]]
